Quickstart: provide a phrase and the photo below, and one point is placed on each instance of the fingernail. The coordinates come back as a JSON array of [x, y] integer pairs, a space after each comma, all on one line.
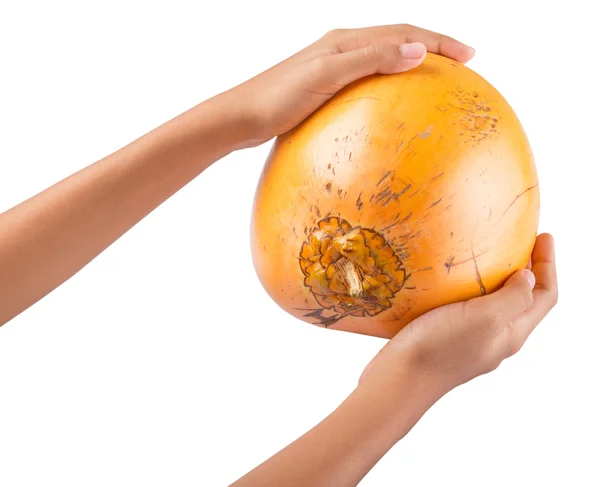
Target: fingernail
[[414, 50], [530, 277]]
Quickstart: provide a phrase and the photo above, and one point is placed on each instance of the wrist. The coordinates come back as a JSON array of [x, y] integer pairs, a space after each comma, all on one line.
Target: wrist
[[208, 131], [240, 121], [398, 391]]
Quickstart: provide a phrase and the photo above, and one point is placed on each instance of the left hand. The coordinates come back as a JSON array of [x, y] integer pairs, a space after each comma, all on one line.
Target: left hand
[[453, 344], [283, 96]]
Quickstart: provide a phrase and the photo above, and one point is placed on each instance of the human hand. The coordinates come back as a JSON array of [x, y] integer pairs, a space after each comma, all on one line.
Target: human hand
[[456, 343], [283, 96]]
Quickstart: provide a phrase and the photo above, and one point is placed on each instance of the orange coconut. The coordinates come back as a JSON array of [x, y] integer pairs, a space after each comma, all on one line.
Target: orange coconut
[[401, 194]]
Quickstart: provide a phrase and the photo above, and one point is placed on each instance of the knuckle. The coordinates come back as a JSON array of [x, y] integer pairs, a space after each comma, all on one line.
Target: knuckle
[[441, 37], [491, 364], [380, 51], [319, 65], [372, 52], [497, 362], [489, 317], [514, 347], [480, 315], [335, 33]]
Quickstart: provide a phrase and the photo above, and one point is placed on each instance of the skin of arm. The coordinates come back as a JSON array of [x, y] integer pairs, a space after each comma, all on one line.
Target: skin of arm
[[343, 448], [48, 238]]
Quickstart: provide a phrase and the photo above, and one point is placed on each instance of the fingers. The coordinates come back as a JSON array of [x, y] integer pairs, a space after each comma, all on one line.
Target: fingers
[[351, 39], [385, 50], [508, 303], [381, 58], [545, 293], [544, 267]]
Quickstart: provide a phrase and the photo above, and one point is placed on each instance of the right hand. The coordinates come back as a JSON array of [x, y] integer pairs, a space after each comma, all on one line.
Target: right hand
[[453, 344]]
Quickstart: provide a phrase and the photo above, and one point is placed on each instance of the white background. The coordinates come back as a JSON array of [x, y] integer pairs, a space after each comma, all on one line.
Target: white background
[[164, 362]]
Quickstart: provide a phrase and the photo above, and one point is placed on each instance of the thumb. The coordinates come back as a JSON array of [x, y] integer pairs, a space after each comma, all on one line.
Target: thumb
[[510, 301], [381, 58]]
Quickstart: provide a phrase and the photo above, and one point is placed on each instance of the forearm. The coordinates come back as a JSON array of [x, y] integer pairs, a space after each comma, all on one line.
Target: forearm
[[51, 236], [343, 448]]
